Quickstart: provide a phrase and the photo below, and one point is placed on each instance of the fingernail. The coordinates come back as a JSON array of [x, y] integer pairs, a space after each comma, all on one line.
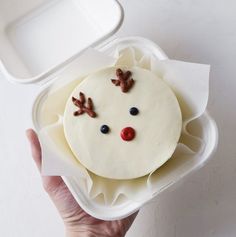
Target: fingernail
[[27, 132]]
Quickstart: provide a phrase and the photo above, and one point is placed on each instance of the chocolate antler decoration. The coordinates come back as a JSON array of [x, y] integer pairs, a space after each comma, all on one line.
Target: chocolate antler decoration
[[82, 108], [124, 80]]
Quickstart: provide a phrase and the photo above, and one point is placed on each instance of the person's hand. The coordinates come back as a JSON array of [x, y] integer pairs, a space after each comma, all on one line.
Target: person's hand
[[77, 222]]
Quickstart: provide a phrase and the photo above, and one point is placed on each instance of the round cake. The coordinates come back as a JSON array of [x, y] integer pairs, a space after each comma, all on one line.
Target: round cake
[[122, 123]]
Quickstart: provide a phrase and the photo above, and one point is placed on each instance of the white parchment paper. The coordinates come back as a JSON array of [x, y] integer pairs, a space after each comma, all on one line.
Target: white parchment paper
[[190, 83]]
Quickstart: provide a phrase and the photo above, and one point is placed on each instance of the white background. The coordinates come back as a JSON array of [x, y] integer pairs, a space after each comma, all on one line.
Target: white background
[[203, 205]]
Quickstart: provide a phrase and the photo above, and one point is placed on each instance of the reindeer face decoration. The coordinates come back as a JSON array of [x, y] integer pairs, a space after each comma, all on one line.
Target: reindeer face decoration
[[129, 127]]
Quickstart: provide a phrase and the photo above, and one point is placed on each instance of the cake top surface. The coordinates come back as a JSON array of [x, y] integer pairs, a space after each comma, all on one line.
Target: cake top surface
[[122, 124]]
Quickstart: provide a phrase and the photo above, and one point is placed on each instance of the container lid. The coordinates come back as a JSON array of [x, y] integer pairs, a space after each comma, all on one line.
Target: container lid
[[39, 37]]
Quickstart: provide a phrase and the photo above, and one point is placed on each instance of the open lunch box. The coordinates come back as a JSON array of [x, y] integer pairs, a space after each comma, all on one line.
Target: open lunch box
[[41, 42]]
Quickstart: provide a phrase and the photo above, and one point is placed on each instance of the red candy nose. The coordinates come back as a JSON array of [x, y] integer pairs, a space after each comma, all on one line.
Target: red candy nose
[[127, 134]]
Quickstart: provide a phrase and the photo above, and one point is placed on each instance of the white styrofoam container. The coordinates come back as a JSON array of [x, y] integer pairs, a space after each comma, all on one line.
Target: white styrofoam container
[[205, 126], [41, 40]]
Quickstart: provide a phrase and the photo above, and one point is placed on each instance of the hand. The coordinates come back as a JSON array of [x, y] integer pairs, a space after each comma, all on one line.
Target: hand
[[77, 222]]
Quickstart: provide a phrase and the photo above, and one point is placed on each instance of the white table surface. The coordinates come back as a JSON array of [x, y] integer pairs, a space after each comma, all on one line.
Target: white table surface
[[204, 204]]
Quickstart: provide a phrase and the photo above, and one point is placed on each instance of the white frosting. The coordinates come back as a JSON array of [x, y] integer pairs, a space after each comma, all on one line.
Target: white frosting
[[158, 125]]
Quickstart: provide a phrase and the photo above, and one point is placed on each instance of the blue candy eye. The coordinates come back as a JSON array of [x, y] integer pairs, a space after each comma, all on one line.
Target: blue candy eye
[[133, 111], [104, 129]]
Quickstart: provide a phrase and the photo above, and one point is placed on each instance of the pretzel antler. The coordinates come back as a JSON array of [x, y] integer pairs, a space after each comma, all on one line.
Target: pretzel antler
[[124, 80], [82, 107]]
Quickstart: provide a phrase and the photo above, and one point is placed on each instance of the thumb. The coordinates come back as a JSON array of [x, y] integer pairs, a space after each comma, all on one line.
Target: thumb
[[50, 183], [35, 147]]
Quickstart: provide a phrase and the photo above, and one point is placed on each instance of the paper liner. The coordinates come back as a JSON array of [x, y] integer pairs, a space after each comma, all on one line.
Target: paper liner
[[189, 81]]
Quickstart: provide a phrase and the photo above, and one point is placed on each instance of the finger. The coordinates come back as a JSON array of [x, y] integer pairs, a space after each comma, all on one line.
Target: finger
[[35, 147], [53, 185], [50, 183]]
